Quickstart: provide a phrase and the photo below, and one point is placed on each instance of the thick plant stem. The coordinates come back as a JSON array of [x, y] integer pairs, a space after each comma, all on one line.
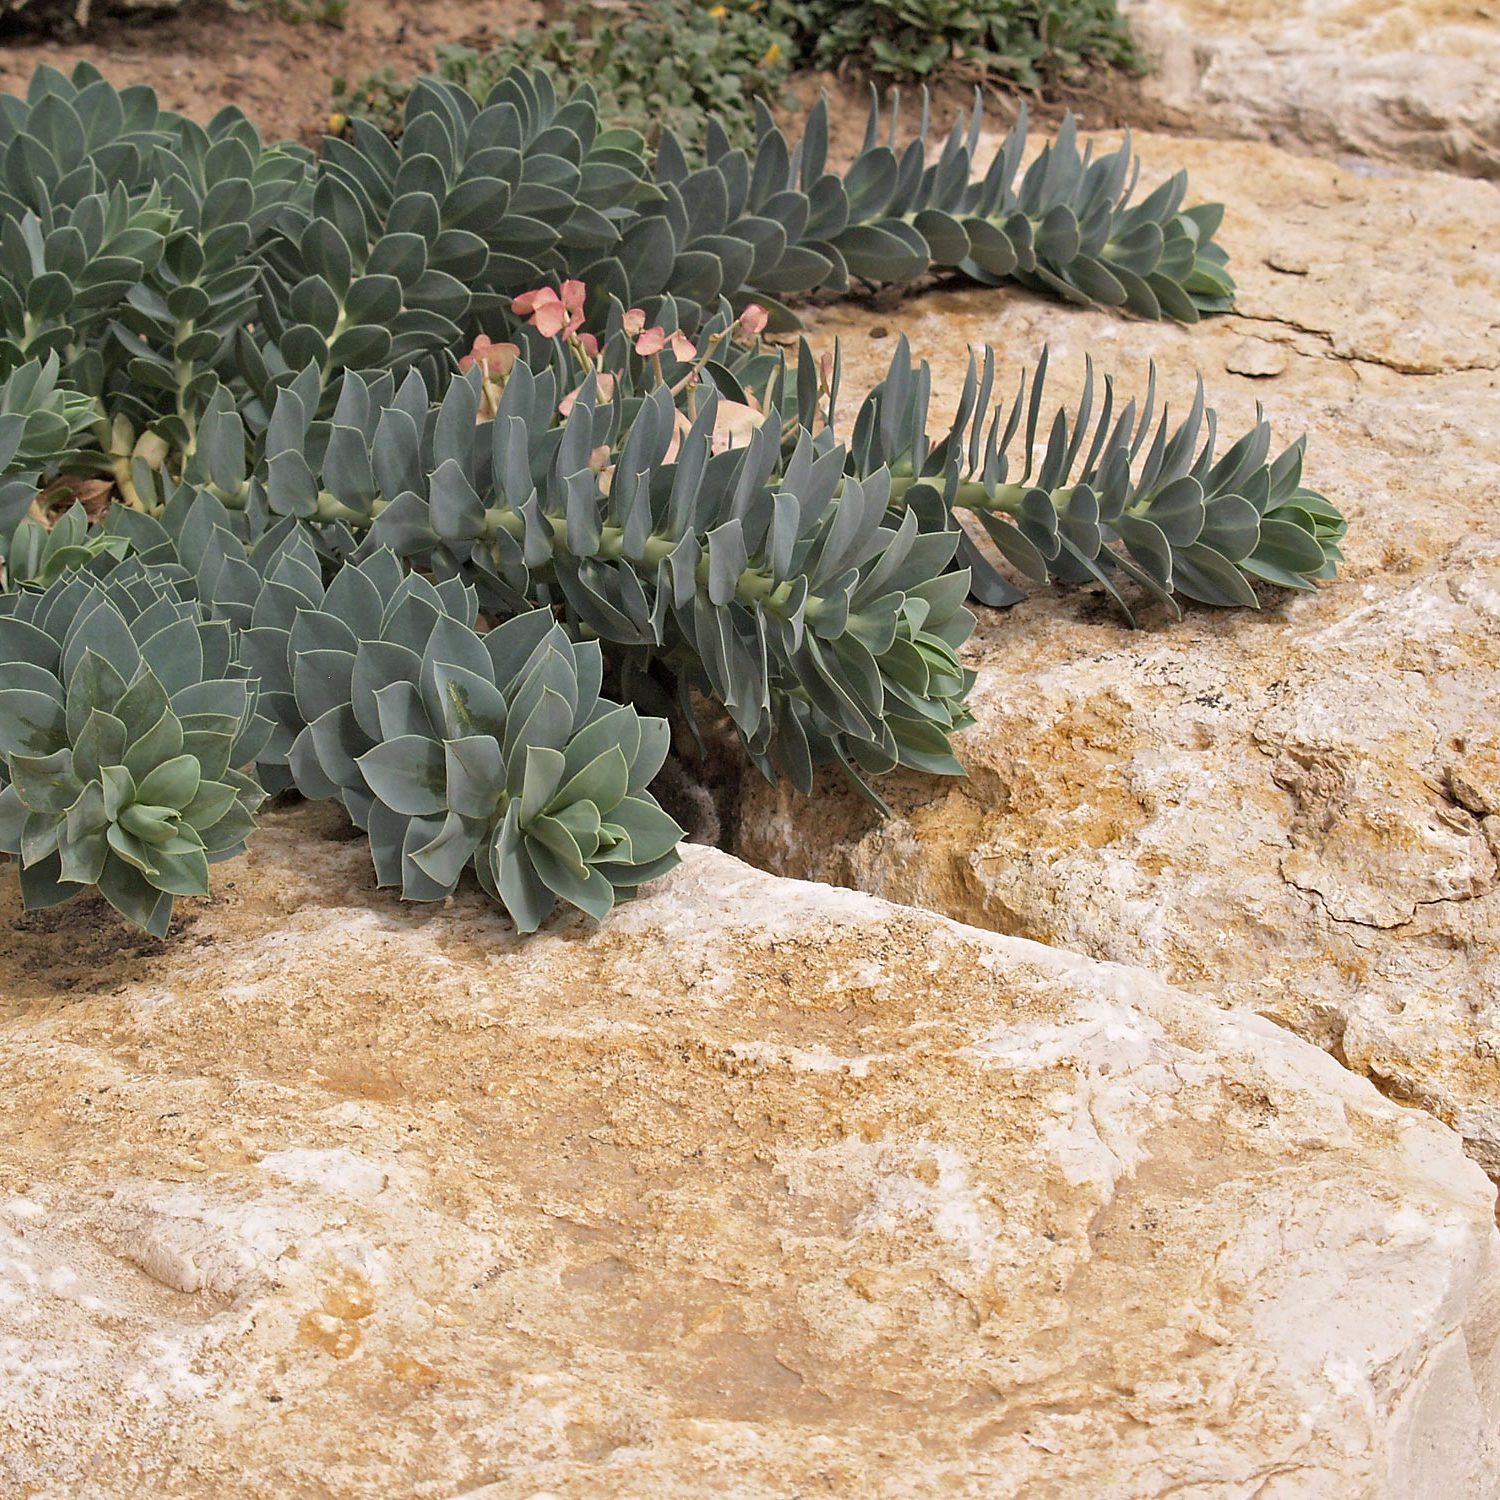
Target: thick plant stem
[[125, 483], [972, 495], [116, 437], [754, 586]]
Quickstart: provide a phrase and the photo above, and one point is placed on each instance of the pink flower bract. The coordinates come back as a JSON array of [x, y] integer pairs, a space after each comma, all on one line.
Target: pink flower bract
[[528, 302], [495, 360], [550, 319], [652, 341], [605, 388], [549, 313], [734, 425]]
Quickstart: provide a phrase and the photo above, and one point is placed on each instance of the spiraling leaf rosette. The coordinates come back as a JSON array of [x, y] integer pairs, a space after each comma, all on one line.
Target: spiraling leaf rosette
[[40, 416], [37, 555], [123, 714], [457, 750], [41, 420]]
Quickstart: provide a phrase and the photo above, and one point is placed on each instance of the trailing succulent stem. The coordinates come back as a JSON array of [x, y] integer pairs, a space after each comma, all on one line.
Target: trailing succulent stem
[[776, 222], [813, 588], [1116, 491], [162, 261], [802, 583]]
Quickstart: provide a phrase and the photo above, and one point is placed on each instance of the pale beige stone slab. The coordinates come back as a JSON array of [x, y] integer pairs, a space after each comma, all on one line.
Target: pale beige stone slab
[[759, 1189], [1406, 80]]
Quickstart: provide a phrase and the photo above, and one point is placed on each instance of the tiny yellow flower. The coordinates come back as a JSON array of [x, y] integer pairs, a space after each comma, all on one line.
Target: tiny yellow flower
[[718, 12], [773, 55], [336, 123]]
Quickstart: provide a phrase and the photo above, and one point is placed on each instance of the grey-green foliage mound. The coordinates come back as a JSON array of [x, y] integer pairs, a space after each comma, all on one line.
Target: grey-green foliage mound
[[778, 584], [1032, 42], [424, 442], [163, 261], [656, 66], [674, 64], [121, 751], [491, 752], [452, 750]]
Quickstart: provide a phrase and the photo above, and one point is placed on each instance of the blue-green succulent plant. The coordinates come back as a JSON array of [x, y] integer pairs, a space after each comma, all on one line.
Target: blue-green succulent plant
[[124, 721], [382, 529]]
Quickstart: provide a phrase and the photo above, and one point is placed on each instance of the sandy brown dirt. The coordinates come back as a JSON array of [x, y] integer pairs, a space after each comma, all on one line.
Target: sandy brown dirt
[[282, 74]]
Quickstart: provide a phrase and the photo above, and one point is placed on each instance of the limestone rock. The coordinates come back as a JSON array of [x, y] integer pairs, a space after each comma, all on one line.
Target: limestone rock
[[1293, 811], [1261, 359], [1408, 80], [760, 1188]]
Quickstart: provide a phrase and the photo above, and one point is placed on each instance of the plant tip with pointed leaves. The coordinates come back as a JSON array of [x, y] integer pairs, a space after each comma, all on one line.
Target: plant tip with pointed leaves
[[455, 750], [123, 718]]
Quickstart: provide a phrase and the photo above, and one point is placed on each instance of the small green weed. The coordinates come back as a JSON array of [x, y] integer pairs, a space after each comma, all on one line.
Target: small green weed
[[333, 13], [669, 65], [1030, 42]]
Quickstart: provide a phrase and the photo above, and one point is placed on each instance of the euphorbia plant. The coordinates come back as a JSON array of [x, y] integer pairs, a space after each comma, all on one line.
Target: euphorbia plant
[[163, 261], [441, 434], [124, 716]]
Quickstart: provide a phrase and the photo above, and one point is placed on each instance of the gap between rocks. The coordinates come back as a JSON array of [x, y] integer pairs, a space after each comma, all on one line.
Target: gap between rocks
[[707, 797]]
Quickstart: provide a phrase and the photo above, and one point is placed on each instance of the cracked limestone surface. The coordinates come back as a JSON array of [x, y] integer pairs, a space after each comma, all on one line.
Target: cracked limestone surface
[[1405, 80], [759, 1189], [1294, 811]]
